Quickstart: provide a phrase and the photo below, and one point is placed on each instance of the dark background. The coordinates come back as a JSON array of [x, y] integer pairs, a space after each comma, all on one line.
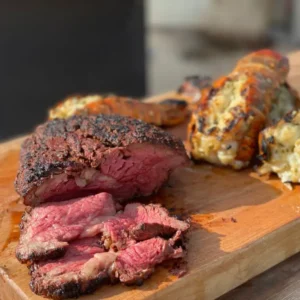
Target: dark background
[[50, 49]]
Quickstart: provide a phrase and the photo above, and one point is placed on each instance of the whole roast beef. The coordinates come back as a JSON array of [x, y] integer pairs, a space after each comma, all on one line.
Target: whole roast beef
[[84, 155]]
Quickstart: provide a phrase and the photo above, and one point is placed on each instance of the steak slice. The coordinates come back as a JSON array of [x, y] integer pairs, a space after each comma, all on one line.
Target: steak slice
[[66, 277], [152, 220], [83, 155], [140, 222], [76, 274], [47, 229], [137, 263]]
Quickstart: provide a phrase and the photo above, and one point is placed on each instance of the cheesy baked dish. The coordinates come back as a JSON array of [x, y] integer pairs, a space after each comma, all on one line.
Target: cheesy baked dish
[[225, 126], [279, 148]]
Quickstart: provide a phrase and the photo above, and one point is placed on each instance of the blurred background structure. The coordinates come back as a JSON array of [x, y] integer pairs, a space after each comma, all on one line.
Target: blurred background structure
[[208, 36], [51, 49], [133, 47]]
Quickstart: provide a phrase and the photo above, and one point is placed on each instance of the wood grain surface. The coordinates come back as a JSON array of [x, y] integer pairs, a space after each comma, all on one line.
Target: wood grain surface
[[242, 225]]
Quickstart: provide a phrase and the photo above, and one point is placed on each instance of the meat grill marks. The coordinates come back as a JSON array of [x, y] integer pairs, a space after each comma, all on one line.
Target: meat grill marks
[[224, 129], [48, 229], [75, 275], [166, 113], [83, 155]]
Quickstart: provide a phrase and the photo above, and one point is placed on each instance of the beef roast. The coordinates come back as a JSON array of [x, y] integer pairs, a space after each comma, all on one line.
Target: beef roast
[[82, 271], [83, 155], [73, 238], [46, 230]]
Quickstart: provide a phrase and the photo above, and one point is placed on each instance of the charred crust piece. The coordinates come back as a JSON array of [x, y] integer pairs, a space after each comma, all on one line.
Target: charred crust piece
[[178, 102], [49, 254], [289, 117], [212, 92], [271, 140], [265, 153], [201, 124], [231, 124], [265, 150], [71, 289], [211, 130]]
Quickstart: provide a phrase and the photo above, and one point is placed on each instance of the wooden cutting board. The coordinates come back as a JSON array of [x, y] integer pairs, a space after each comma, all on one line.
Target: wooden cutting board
[[241, 226]]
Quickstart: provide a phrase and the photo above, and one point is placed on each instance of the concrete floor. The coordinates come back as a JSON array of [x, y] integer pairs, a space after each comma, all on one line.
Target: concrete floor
[[174, 54]]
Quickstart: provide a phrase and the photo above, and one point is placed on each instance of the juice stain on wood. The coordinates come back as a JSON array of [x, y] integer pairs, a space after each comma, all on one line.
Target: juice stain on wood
[[9, 163], [15, 212], [8, 169], [15, 231]]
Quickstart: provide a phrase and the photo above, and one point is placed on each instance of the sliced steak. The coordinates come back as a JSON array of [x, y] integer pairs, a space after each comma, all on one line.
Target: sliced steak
[[152, 220], [47, 229], [68, 276], [140, 222], [83, 155], [77, 274], [137, 263]]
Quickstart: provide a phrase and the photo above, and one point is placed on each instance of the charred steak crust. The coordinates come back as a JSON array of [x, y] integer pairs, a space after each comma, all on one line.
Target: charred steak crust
[[71, 144], [72, 289], [48, 254]]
